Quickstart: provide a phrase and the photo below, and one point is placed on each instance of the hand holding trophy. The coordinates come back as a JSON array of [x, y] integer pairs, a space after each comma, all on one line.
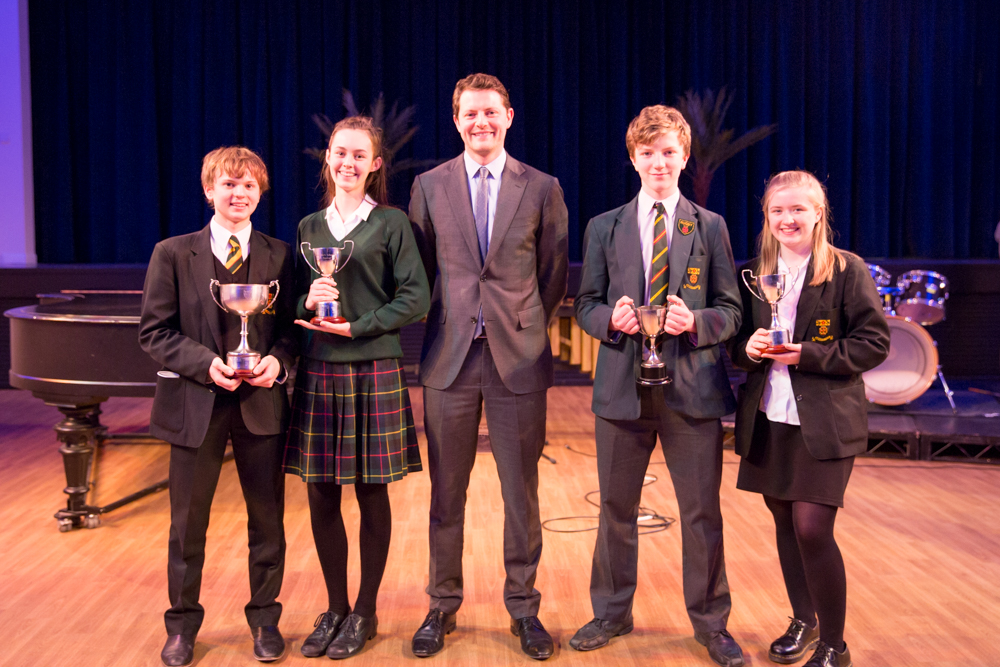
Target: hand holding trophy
[[652, 324], [328, 262], [771, 289]]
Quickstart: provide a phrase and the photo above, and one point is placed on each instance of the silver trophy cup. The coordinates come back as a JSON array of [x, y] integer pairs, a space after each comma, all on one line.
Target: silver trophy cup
[[328, 262], [244, 300], [771, 289], [652, 323]]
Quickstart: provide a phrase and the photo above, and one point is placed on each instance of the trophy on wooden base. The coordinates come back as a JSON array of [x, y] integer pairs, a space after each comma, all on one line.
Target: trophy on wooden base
[[328, 262], [652, 323]]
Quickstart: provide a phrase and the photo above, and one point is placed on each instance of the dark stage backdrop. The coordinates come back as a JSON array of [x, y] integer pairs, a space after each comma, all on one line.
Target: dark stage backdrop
[[892, 102]]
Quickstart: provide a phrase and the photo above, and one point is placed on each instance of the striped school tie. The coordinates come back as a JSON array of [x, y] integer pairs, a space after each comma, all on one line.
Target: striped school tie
[[658, 267], [234, 260]]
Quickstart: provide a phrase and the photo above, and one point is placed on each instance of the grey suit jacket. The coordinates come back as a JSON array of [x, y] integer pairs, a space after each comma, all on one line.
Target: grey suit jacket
[[519, 285], [701, 273], [179, 328]]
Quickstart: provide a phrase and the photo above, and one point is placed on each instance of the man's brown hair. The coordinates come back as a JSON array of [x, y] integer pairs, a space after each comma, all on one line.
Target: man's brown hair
[[653, 122], [234, 161], [478, 82]]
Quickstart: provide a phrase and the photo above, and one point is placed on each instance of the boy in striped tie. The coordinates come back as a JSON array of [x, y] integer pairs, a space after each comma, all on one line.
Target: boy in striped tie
[[660, 249], [200, 403]]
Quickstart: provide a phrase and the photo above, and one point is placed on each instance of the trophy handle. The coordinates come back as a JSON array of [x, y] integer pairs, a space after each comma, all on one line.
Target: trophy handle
[[277, 288], [743, 274], [302, 249], [212, 284], [341, 265]]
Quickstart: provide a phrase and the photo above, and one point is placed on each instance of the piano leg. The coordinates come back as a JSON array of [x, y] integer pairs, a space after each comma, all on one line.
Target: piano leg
[[77, 433]]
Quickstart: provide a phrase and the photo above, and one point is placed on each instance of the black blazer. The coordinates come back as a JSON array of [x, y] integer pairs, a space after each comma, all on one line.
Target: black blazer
[[180, 329], [701, 273], [843, 332]]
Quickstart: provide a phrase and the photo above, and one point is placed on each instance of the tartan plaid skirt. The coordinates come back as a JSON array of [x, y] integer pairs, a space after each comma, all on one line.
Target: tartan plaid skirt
[[351, 422]]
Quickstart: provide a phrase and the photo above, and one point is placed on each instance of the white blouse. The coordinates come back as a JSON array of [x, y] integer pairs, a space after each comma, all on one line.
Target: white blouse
[[778, 400]]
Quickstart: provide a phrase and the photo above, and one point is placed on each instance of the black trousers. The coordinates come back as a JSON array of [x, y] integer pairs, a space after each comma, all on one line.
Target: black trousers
[[692, 449], [194, 476], [516, 425]]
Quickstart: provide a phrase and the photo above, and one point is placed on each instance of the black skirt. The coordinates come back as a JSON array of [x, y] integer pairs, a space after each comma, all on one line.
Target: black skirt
[[780, 466]]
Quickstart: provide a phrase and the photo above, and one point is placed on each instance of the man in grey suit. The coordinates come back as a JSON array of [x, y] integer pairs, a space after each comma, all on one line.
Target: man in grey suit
[[493, 238], [660, 249]]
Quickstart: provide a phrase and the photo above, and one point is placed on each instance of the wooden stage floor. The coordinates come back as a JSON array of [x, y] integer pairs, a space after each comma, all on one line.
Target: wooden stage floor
[[921, 542]]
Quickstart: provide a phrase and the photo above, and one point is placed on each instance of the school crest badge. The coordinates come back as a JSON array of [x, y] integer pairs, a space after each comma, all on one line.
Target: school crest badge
[[823, 328], [685, 227], [693, 274]]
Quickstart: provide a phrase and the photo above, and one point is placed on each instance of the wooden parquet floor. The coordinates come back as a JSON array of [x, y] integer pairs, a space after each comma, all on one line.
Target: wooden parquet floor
[[921, 542]]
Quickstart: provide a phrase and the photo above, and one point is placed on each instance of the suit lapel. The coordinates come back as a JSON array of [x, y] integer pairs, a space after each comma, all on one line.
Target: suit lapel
[[512, 184], [203, 269], [807, 304], [626, 242], [260, 254], [457, 191], [680, 245]]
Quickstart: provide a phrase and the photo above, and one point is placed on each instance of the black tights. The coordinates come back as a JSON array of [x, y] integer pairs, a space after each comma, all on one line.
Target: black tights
[[812, 565], [331, 542]]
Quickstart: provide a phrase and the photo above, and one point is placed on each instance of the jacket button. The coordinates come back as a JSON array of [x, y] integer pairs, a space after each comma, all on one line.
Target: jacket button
[[799, 397], [473, 320], [482, 279]]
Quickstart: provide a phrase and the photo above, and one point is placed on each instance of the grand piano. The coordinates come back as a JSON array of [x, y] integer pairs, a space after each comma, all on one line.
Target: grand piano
[[74, 350]]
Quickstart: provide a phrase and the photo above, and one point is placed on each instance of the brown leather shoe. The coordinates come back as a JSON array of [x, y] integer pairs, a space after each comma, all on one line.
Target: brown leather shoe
[[536, 642], [429, 638], [178, 651], [827, 656], [722, 648], [791, 646], [598, 633]]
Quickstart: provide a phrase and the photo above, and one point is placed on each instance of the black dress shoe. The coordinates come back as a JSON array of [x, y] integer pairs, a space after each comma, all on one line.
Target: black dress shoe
[[326, 626], [429, 638], [268, 644], [351, 638], [179, 650], [535, 641], [827, 656], [598, 633], [792, 645], [722, 648]]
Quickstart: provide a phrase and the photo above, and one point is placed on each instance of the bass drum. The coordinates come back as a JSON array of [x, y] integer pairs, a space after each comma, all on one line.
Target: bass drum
[[909, 369]]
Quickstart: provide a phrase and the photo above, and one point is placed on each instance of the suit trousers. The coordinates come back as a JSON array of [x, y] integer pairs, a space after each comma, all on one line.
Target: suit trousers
[[194, 476], [516, 424], [692, 449]]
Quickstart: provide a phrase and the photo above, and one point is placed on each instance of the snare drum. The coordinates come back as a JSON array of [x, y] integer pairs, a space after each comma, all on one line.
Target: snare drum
[[923, 296], [909, 369]]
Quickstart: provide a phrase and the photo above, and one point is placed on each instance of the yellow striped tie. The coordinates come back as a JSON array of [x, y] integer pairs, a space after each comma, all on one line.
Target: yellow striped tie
[[658, 275], [235, 258]]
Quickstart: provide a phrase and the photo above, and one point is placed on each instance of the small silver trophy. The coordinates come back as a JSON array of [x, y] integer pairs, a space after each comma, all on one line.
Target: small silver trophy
[[772, 289], [652, 323], [328, 262], [245, 300]]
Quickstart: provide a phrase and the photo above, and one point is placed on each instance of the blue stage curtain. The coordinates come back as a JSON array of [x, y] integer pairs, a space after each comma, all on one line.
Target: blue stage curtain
[[893, 103]]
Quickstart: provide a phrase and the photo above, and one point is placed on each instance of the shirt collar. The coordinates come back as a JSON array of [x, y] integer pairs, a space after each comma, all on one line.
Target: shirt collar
[[361, 212], [646, 203], [220, 237], [495, 167], [800, 276]]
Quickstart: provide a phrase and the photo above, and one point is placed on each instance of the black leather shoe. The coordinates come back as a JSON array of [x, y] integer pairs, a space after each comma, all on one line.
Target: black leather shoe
[[827, 656], [179, 650], [598, 633], [535, 641], [722, 648], [326, 626], [351, 638], [268, 644], [791, 646], [429, 638]]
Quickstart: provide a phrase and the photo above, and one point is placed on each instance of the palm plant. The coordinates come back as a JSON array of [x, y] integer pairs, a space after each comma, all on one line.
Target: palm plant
[[397, 129], [710, 144]]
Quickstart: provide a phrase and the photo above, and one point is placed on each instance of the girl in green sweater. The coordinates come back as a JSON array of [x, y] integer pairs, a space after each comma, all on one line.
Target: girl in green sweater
[[351, 417]]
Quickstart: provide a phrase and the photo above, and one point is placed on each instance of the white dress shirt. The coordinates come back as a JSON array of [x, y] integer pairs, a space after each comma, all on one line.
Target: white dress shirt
[[340, 227], [778, 400], [647, 217], [493, 181], [220, 240]]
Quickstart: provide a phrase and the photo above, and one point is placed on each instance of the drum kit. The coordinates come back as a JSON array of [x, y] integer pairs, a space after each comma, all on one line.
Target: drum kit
[[914, 302]]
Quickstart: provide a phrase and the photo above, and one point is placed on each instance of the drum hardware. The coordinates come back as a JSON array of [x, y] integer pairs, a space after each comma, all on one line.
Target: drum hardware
[[923, 296], [994, 394]]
